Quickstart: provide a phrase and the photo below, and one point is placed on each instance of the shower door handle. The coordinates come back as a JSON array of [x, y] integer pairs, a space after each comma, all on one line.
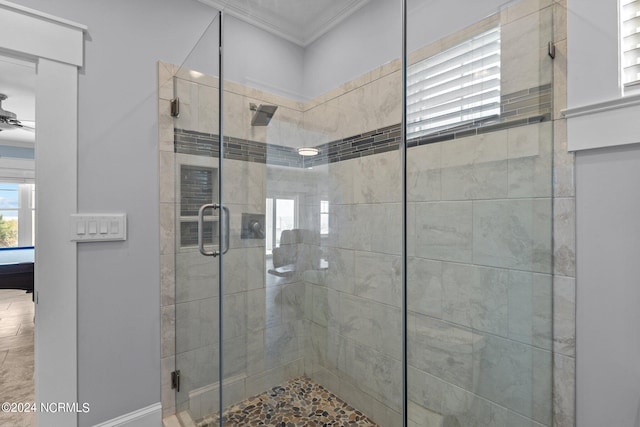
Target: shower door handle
[[201, 211], [224, 242]]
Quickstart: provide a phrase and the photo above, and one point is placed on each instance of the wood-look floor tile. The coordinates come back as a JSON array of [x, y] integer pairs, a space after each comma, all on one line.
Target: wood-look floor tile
[[17, 419], [16, 355], [6, 320], [20, 307], [9, 331], [26, 328], [24, 340]]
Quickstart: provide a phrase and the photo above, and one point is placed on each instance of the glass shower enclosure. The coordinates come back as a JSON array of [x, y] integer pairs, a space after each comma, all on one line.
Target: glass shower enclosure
[[361, 227]]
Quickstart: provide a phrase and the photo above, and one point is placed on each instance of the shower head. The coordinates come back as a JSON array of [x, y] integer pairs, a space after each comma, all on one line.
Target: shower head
[[263, 114]]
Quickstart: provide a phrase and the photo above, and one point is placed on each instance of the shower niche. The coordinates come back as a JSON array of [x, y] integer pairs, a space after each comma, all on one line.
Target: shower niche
[[197, 184]]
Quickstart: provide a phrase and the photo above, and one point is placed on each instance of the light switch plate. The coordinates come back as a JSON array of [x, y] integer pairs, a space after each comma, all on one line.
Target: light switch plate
[[98, 227]]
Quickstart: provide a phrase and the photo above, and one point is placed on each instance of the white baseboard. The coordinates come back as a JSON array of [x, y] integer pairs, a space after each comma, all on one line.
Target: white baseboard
[[151, 416]]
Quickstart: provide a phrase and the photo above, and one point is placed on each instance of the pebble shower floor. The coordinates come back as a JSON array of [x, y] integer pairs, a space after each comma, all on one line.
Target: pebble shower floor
[[299, 402]]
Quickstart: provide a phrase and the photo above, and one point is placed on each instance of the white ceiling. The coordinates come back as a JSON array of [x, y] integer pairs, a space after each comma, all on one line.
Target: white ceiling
[[299, 21], [18, 82]]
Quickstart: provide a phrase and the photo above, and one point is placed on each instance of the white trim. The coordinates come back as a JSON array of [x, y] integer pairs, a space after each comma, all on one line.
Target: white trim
[[599, 107], [329, 25], [42, 15], [237, 11], [603, 124], [151, 416], [47, 36], [57, 47], [55, 263], [253, 20], [607, 128]]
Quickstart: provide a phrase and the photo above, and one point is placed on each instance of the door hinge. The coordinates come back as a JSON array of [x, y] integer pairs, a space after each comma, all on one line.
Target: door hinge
[[175, 380], [175, 107], [552, 50]]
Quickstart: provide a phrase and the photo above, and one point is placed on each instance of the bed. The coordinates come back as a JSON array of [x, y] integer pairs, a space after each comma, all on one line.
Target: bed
[[16, 268]]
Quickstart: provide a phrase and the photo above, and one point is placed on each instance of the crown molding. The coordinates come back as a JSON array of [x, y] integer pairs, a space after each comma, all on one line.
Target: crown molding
[[289, 34]]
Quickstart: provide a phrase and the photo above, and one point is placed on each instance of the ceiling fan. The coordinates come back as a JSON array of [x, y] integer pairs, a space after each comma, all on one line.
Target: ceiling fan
[[9, 120]]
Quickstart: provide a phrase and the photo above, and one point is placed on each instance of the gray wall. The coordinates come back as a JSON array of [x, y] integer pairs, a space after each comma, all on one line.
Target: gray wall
[[118, 291], [608, 230], [261, 60], [593, 27], [608, 294]]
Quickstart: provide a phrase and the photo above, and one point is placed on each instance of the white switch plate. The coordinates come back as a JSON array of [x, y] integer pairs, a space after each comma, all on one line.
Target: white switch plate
[[98, 227]]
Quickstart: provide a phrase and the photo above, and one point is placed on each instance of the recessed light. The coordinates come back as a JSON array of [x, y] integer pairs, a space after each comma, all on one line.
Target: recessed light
[[308, 151]]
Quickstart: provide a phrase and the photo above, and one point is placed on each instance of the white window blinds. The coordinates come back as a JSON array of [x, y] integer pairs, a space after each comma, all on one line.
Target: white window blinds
[[455, 87], [630, 28]]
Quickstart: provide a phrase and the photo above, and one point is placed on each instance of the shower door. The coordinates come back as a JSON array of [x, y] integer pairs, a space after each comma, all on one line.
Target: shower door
[[311, 174], [306, 291], [197, 223]]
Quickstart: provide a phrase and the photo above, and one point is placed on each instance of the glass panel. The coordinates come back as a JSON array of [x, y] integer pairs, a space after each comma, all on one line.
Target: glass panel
[[319, 308], [479, 204], [192, 162]]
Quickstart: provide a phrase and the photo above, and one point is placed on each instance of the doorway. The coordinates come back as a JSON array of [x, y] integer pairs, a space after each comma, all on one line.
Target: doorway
[[17, 234]]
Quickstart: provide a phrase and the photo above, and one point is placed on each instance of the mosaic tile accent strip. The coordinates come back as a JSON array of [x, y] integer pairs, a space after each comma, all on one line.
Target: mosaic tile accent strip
[[533, 101], [299, 402], [372, 142], [521, 108], [195, 143]]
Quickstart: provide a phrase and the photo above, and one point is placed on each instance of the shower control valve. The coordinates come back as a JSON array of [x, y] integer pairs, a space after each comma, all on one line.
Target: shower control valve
[[252, 226]]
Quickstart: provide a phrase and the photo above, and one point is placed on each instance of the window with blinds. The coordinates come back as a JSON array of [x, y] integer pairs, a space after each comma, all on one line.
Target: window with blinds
[[455, 88], [630, 29]]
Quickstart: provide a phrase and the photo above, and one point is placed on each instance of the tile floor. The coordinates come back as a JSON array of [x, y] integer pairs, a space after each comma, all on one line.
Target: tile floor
[[16, 355], [299, 402]]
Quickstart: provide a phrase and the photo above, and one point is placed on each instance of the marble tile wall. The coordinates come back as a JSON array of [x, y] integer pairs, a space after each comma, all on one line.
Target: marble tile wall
[[480, 281]]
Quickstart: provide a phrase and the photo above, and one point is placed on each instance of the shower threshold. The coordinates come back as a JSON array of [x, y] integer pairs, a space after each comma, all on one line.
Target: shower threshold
[[298, 402]]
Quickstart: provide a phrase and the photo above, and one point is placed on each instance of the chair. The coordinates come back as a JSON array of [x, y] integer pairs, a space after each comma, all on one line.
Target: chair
[[292, 255]]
